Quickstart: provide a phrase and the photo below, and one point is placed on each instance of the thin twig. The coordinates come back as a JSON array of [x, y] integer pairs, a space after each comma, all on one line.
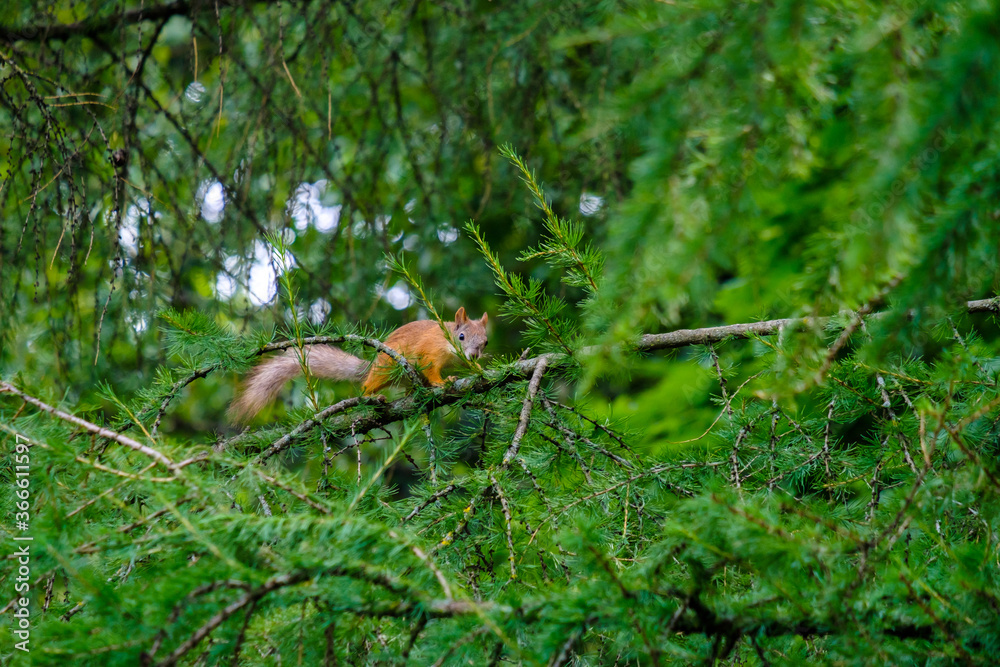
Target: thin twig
[[507, 519], [436, 496], [251, 597], [314, 421], [522, 423]]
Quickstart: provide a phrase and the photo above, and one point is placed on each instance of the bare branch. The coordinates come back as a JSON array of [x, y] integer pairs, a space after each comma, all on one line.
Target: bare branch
[[685, 337], [522, 424], [6, 387], [314, 421]]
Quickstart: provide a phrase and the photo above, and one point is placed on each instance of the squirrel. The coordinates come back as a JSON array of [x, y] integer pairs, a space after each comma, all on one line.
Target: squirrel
[[422, 343]]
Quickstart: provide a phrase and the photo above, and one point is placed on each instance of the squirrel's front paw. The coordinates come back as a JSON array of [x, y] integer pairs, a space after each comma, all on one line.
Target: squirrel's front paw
[[450, 379]]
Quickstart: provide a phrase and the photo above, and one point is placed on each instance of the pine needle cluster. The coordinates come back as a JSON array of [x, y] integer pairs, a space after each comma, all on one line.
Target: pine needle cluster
[[847, 521]]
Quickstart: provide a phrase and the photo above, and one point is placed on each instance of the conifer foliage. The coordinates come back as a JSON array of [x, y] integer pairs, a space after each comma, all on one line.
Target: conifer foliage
[[608, 488]]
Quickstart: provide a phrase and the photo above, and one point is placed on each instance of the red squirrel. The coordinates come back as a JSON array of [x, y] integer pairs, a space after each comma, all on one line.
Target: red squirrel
[[422, 343]]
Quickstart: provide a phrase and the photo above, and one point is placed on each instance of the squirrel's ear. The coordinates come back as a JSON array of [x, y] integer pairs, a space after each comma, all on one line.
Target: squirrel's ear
[[485, 319], [460, 316]]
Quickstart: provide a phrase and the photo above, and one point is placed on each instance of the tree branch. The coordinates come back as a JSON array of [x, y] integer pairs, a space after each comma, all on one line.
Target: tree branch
[[381, 414], [685, 337], [6, 387], [275, 583], [522, 423], [93, 26]]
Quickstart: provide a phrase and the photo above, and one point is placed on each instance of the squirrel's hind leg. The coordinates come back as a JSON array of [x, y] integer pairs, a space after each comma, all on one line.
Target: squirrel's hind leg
[[433, 375], [378, 378], [373, 385]]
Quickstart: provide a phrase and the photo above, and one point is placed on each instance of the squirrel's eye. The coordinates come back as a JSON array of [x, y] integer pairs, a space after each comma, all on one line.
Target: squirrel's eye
[[461, 336]]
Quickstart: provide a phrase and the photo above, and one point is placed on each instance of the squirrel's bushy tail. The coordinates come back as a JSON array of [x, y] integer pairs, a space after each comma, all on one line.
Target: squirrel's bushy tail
[[267, 378]]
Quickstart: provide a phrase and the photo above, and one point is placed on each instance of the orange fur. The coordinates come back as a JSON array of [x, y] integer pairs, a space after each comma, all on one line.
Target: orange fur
[[422, 343]]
